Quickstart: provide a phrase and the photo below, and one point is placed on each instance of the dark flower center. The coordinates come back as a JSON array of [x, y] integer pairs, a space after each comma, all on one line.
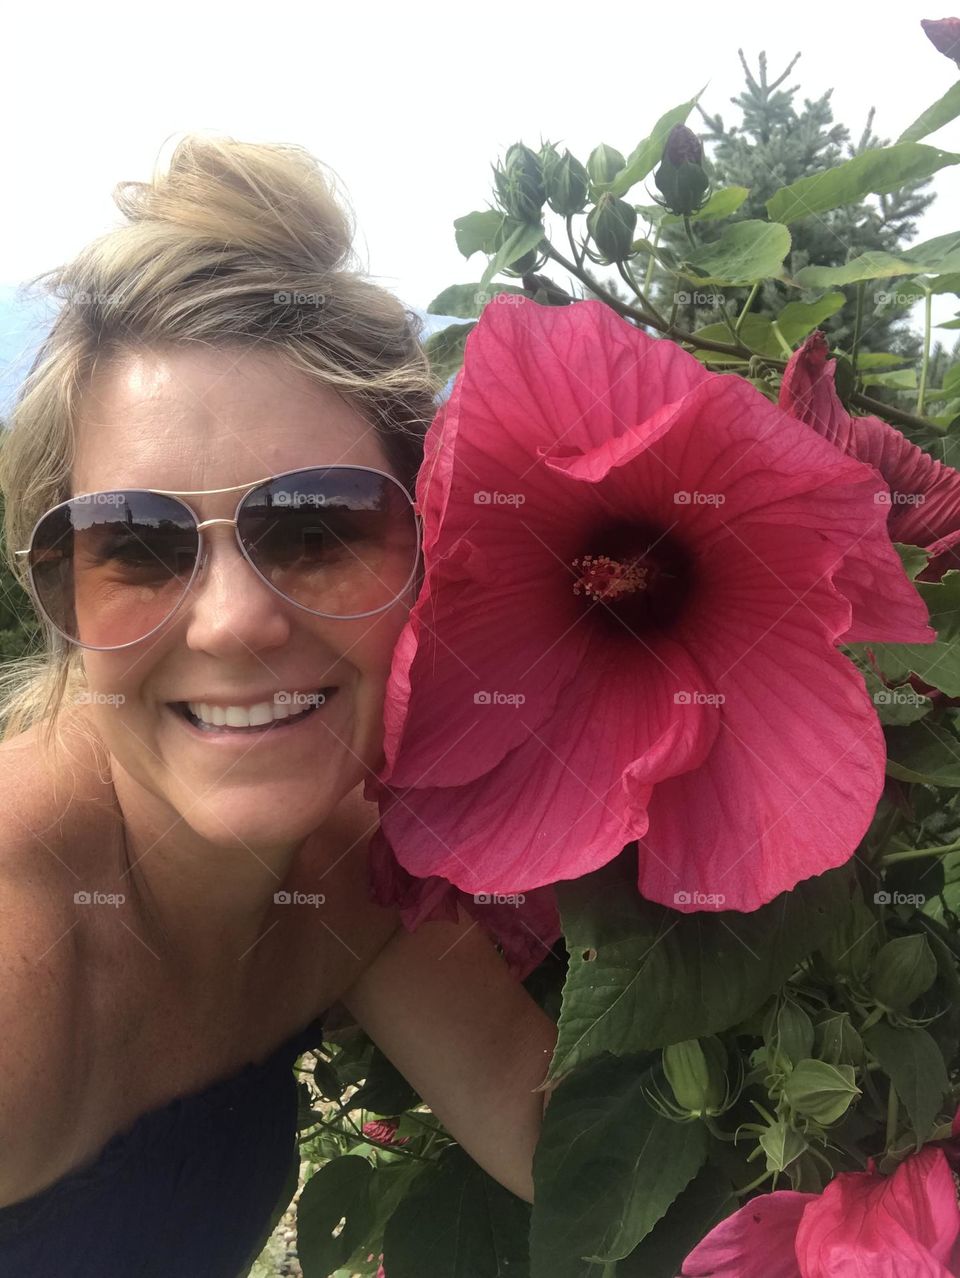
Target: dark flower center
[[636, 574]]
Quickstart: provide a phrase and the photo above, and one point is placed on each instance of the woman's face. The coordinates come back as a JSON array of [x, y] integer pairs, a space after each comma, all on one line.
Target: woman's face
[[203, 419]]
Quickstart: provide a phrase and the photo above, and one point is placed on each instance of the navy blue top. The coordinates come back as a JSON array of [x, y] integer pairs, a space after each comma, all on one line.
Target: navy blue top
[[187, 1191]]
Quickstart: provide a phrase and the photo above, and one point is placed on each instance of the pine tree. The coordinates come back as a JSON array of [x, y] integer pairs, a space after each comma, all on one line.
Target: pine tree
[[772, 146]]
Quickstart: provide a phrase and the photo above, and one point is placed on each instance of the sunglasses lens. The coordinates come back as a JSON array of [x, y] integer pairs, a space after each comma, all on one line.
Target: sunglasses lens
[[110, 567], [339, 541]]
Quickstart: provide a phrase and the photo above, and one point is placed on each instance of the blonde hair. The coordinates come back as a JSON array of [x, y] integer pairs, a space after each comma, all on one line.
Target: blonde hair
[[207, 246]]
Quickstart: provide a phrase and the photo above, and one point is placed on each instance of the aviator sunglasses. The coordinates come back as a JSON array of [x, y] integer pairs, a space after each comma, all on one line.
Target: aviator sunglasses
[[107, 569]]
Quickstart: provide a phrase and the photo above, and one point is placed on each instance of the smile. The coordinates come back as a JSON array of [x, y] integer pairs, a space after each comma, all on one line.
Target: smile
[[285, 710]]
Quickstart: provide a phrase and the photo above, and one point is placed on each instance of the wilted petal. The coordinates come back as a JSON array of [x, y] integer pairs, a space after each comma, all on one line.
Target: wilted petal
[[755, 1242]]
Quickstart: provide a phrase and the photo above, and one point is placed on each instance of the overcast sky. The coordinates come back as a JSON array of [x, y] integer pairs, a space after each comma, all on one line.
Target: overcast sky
[[410, 103]]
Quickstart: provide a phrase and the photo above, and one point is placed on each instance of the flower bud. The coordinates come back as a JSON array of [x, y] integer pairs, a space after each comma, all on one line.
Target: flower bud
[[789, 1030], [944, 35], [612, 222], [604, 163], [837, 1040], [901, 971], [821, 1091], [520, 183], [782, 1145], [567, 183], [680, 177], [696, 1074], [384, 1132]]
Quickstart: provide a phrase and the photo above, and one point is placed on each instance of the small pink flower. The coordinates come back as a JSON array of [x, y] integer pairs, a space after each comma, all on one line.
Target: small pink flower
[[944, 35], [863, 1225], [636, 573], [384, 1131]]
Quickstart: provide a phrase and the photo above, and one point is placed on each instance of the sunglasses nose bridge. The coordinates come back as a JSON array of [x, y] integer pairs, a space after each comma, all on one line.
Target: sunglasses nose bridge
[[204, 549]]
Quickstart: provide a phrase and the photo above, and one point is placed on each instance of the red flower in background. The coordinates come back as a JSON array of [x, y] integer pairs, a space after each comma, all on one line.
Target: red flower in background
[[924, 505], [944, 35], [636, 573]]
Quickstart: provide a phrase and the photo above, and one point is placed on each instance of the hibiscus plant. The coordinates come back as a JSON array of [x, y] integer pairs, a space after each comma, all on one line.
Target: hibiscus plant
[[676, 718]]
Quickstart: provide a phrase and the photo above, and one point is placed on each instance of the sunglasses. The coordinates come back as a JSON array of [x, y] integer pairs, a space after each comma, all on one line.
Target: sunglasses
[[107, 569]]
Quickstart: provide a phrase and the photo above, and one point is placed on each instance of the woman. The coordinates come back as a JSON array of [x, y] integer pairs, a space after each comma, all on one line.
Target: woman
[[207, 477]]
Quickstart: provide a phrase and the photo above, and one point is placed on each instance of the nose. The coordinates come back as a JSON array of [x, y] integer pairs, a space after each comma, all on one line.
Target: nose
[[231, 608]]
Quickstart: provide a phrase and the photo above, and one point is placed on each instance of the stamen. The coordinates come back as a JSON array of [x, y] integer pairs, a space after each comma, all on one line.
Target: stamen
[[604, 578]]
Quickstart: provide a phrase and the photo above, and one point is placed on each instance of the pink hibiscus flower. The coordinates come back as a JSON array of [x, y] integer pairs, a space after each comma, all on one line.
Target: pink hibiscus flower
[[863, 1225], [636, 573], [924, 505]]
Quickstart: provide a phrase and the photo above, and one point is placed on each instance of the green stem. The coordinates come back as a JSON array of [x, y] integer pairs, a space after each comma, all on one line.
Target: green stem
[[857, 325], [689, 230], [915, 854], [627, 276], [746, 307], [925, 362], [893, 1109], [649, 275], [573, 246], [754, 1184]]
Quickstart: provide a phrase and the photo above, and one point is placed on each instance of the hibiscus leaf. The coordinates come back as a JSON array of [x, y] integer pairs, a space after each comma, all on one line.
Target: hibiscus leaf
[[445, 348], [935, 117], [797, 319], [606, 1168], [704, 1203], [721, 204], [876, 172], [457, 1222], [466, 301], [914, 1064], [933, 257], [476, 232], [521, 237], [924, 752], [646, 154], [935, 663], [747, 251], [642, 975], [338, 1191]]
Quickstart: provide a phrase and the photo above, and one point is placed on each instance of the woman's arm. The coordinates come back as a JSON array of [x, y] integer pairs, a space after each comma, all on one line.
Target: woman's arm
[[441, 1004]]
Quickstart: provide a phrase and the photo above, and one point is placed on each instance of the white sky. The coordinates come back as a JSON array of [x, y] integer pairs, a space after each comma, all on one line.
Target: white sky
[[411, 104]]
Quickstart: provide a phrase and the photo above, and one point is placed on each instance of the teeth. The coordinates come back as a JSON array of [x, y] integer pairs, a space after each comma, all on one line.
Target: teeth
[[254, 716]]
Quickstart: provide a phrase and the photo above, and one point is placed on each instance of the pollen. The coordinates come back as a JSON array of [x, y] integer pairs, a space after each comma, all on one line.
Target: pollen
[[601, 577]]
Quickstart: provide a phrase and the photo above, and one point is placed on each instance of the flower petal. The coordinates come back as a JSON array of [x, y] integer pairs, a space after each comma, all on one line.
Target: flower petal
[[755, 1242], [867, 1226]]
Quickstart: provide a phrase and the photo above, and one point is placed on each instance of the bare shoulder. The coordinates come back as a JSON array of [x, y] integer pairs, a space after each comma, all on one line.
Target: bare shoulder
[[42, 1065]]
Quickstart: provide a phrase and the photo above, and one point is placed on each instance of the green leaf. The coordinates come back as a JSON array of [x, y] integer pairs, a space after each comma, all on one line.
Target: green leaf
[[475, 232], [745, 252], [641, 975], [756, 332], [721, 204], [900, 379], [933, 257], [385, 1090], [390, 1183], [926, 752], [874, 172], [339, 1190], [645, 156], [445, 349], [936, 663], [457, 1222], [466, 301], [704, 1203], [915, 1066], [797, 319], [521, 239], [606, 1168], [935, 117]]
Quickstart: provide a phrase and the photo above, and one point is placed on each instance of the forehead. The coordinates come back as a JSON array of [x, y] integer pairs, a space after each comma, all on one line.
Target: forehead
[[197, 418]]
